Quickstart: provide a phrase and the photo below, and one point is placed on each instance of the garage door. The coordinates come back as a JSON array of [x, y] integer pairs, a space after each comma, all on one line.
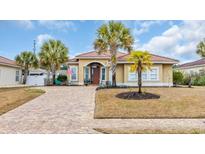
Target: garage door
[[36, 80]]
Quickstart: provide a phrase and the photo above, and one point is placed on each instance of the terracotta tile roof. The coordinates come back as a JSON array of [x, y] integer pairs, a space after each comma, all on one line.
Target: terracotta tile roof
[[96, 55], [154, 58], [122, 57], [194, 63], [7, 62]]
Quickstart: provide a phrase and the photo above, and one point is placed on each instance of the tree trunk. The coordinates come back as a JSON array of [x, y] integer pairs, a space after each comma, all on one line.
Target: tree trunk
[[48, 77], [114, 80], [53, 74], [54, 77], [113, 65], [190, 82], [25, 75], [139, 78]]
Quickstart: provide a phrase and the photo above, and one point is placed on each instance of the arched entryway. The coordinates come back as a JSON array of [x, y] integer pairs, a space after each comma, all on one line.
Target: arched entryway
[[94, 73]]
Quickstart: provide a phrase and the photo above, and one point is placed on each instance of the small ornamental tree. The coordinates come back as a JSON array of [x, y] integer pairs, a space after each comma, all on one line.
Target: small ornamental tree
[[141, 62], [177, 77]]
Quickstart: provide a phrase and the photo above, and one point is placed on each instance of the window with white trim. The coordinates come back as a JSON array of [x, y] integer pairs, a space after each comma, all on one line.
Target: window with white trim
[[144, 75], [17, 76], [150, 75], [74, 71], [87, 73], [103, 74], [132, 76], [153, 74]]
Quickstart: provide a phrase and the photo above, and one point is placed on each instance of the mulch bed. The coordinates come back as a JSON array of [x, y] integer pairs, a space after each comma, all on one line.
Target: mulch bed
[[137, 96]]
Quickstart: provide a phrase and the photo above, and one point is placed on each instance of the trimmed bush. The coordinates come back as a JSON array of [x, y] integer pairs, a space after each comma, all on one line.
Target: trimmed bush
[[62, 78]]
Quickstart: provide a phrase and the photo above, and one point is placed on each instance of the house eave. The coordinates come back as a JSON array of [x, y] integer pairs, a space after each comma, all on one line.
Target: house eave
[[194, 66], [9, 65]]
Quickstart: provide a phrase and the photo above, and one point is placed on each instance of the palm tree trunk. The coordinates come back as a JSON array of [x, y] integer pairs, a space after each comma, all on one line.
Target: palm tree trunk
[[25, 75], [54, 77], [139, 82], [139, 78], [113, 66], [53, 74], [48, 77], [114, 80]]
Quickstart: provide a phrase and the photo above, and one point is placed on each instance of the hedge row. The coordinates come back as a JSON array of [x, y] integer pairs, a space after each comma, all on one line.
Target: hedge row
[[184, 79]]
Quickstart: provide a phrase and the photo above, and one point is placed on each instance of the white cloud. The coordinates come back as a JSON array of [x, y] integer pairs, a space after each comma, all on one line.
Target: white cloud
[[27, 24], [42, 38], [179, 41], [142, 27], [58, 25]]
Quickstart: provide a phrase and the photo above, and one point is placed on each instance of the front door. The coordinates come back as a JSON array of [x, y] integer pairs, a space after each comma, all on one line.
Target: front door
[[96, 75]]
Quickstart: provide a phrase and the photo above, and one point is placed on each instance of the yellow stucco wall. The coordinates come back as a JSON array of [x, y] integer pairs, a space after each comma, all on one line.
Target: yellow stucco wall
[[120, 73], [167, 73], [84, 62]]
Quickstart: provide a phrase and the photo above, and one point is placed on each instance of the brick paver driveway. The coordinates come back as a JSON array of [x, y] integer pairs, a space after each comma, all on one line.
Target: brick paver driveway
[[70, 110]]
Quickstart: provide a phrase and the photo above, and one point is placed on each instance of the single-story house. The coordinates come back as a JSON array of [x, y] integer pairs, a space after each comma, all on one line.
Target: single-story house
[[10, 72], [96, 68], [197, 66]]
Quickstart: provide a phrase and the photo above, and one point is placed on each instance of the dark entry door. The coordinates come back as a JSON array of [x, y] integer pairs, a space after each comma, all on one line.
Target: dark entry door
[[96, 75]]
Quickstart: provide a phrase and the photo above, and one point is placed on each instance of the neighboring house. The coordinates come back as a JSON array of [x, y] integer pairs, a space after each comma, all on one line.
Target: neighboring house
[[193, 67], [10, 72], [96, 68]]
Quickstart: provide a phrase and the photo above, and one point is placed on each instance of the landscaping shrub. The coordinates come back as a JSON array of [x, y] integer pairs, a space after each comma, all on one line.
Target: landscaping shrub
[[195, 80], [186, 80], [178, 77], [62, 78], [198, 80], [202, 81]]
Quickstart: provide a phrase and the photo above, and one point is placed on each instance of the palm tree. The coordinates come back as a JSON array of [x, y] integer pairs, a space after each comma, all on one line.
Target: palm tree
[[52, 55], [45, 64], [26, 60], [110, 38], [141, 62], [201, 48]]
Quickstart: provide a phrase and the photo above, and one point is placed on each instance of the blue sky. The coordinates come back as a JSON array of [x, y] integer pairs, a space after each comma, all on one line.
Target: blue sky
[[175, 39]]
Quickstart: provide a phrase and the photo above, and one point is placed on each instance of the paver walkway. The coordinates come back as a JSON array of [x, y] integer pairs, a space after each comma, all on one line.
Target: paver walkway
[[70, 110]]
